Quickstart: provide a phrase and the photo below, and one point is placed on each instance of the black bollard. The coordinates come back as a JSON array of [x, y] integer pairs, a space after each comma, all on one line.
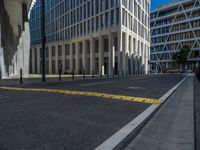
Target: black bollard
[[84, 74], [92, 73], [60, 74], [21, 77], [73, 75]]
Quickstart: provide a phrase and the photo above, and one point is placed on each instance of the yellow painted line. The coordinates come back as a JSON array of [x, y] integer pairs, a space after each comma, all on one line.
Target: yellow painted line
[[93, 94]]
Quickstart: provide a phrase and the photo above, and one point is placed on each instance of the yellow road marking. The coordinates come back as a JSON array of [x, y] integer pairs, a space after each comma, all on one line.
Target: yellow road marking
[[93, 94]]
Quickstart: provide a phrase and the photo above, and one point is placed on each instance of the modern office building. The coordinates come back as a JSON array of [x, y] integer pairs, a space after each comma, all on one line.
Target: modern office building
[[14, 37], [172, 26], [100, 36]]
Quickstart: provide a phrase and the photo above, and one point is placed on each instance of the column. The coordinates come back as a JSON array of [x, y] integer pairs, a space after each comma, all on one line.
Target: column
[[0, 35], [139, 57], [63, 57], [77, 57], [120, 53], [147, 59], [56, 58], [125, 54], [110, 64], [1, 57], [33, 60], [134, 56], [131, 55], [38, 61], [84, 56], [101, 55], [71, 57], [50, 60], [91, 56]]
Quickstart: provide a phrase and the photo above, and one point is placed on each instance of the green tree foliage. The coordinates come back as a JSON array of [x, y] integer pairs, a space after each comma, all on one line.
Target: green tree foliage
[[181, 57]]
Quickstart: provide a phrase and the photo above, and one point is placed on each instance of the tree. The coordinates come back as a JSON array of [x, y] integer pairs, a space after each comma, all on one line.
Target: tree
[[181, 57]]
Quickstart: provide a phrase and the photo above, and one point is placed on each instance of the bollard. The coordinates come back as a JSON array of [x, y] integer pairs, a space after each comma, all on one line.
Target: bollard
[[73, 74], [60, 74], [92, 73], [21, 78], [84, 74]]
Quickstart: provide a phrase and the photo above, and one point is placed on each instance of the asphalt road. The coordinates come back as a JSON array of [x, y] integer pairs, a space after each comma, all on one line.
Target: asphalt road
[[48, 121]]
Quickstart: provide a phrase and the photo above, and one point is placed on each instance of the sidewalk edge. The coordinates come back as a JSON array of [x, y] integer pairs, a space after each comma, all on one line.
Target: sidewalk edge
[[120, 139]]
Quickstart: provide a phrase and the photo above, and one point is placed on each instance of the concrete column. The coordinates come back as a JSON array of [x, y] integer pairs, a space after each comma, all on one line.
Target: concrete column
[[91, 55], [77, 57], [110, 58], [56, 58], [71, 57], [142, 52], [1, 56], [131, 56], [38, 61], [134, 56], [139, 57], [120, 53], [50, 60], [101, 55], [84, 55], [0, 35], [146, 60], [63, 58], [111, 53], [33, 60], [125, 54]]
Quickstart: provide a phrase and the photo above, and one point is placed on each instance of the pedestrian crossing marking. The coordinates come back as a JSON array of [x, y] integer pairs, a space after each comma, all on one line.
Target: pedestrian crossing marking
[[92, 94]]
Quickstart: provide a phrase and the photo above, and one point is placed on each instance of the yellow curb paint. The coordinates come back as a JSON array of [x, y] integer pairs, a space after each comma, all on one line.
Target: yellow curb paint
[[93, 94]]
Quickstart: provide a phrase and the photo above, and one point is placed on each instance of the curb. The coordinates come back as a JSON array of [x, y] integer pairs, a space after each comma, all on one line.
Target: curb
[[120, 139]]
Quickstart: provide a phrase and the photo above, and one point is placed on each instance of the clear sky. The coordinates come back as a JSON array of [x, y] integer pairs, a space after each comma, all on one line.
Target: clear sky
[[155, 3]]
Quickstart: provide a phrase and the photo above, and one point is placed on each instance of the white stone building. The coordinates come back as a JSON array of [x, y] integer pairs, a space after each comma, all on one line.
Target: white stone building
[[100, 36], [14, 37]]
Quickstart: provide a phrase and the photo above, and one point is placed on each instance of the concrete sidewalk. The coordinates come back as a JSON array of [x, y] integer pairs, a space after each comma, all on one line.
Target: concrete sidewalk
[[197, 111], [172, 127]]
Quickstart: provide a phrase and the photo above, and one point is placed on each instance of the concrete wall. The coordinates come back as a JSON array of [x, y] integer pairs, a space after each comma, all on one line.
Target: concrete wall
[[14, 38]]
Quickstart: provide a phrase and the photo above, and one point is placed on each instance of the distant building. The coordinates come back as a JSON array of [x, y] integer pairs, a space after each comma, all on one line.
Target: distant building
[[172, 26], [100, 36], [14, 37]]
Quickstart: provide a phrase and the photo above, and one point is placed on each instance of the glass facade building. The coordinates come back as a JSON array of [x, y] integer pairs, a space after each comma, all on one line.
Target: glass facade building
[[173, 26], [100, 36]]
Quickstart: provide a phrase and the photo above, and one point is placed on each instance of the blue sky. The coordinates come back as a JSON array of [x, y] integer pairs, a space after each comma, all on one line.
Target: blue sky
[[155, 3]]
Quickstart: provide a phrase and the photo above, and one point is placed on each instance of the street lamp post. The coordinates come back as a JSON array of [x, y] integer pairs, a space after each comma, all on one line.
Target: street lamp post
[[43, 39]]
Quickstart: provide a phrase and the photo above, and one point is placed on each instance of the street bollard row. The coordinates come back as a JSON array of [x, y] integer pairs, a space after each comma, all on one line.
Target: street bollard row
[[123, 74]]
